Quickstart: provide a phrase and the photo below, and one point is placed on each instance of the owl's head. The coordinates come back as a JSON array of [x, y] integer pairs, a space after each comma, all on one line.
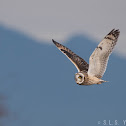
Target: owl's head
[[79, 78]]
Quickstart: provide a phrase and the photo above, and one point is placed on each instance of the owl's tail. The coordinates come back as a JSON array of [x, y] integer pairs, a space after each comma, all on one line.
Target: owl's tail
[[102, 81]]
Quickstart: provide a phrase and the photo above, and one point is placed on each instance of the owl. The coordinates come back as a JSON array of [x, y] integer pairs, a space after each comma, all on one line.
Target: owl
[[92, 73]]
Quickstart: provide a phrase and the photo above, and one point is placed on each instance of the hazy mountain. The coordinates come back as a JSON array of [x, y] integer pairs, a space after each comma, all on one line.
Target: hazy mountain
[[38, 81]]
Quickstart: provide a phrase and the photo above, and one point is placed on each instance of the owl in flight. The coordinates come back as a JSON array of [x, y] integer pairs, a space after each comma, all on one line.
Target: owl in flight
[[91, 73]]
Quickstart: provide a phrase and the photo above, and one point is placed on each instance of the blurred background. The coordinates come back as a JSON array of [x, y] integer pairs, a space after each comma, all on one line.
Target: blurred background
[[37, 86]]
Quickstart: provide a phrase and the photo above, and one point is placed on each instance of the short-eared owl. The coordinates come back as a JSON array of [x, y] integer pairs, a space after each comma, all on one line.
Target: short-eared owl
[[91, 73]]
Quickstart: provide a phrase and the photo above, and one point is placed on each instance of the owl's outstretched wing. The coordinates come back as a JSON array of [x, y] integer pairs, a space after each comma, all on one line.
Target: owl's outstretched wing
[[79, 63], [99, 58]]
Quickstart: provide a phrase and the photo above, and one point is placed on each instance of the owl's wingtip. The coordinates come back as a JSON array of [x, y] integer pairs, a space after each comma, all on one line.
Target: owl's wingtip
[[114, 33], [54, 41]]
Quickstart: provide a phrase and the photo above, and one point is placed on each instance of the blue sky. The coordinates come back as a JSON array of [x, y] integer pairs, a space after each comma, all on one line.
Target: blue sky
[[38, 81]]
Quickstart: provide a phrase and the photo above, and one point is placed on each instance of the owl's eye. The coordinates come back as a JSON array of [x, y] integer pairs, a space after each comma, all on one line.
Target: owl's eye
[[80, 77]]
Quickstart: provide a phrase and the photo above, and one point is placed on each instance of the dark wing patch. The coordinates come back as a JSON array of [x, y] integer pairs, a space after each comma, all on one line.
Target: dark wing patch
[[100, 47], [114, 33], [75, 59]]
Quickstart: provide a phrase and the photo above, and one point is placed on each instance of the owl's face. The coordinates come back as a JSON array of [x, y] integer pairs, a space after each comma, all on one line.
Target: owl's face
[[79, 78]]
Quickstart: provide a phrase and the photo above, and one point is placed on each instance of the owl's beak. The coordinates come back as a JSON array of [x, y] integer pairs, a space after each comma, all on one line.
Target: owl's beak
[[78, 84]]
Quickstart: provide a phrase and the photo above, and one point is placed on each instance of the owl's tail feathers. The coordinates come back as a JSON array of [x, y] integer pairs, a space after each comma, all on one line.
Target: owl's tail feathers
[[102, 81]]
